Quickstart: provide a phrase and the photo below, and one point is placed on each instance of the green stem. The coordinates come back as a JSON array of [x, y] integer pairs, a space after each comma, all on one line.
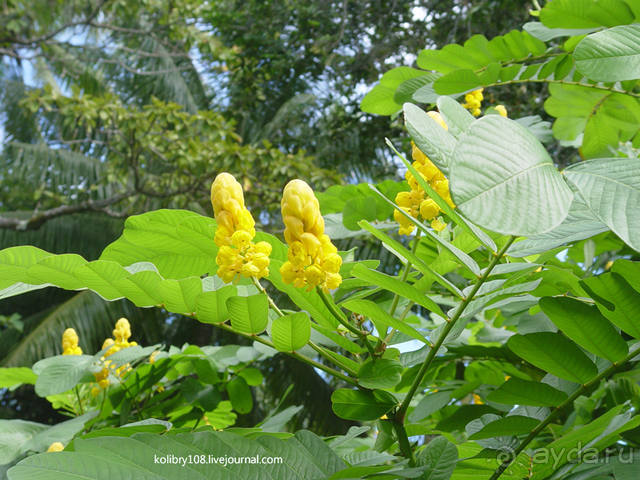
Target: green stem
[[272, 304], [405, 273], [403, 441], [556, 411], [75, 389], [432, 353], [342, 318], [298, 356], [276, 309]]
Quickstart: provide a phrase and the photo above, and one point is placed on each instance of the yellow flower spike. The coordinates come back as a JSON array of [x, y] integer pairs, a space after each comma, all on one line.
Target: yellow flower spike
[[416, 202], [501, 110], [237, 254], [55, 447], [70, 343], [122, 332], [312, 258]]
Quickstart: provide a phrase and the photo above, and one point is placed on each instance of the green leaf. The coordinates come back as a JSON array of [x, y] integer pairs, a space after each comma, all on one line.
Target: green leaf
[[616, 300], [240, 395], [380, 100], [361, 404], [104, 458], [373, 311], [457, 118], [503, 179], [291, 332], [511, 425], [555, 354], [433, 140], [252, 376], [380, 373], [516, 391], [430, 403], [580, 223], [439, 456], [14, 377], [629, 270], [406, 255], [393, 284], [610, 55], [585, 13], [19, 436], [611, 189], [584, 325], [457, 81], [211, 307], [61, 373], [178, 242], [249, 314]]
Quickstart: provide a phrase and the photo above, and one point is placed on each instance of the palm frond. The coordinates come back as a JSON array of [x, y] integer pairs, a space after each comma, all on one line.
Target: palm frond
[[86, 234], [61, 171], [93, 319]]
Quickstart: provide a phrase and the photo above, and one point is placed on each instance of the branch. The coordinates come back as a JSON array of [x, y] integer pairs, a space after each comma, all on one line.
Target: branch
[[38, 219]]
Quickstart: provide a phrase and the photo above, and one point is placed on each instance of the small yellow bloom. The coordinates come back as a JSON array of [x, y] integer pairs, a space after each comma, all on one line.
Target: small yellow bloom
[[473, 102], [501, 110], [438, 225], [312, 258], [70, 343], [237, 254], [55, 447], [477, 400]]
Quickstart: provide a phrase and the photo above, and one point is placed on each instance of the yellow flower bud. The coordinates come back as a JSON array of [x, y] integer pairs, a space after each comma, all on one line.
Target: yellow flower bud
[[237, 255], [501, 110], [55, 447], [312, 258], [70, 343], [429, 209]]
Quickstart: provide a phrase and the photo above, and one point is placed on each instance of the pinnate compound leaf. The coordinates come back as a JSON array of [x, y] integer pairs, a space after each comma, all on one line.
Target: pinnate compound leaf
[[503, 179], [554, 353]]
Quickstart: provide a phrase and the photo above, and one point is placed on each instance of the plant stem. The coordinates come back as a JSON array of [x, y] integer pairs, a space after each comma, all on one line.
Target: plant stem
[[272, 304], [403, 441], [432, 353], [556, 411], [298, 356], [75, 389], [276, 309], [405, 273], [342, 318]]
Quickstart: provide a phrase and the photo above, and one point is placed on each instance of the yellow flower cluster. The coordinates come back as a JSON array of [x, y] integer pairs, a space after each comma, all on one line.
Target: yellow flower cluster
[[312, 258], [121, 333], [416, 202], [70, 343], [473, 102], [237, 254]]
